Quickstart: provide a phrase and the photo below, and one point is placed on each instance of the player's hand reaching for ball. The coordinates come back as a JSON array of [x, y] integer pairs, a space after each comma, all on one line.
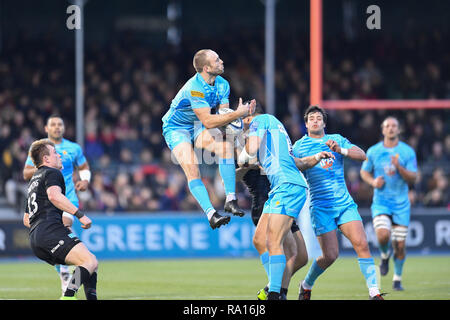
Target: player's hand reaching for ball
[[246, 109]]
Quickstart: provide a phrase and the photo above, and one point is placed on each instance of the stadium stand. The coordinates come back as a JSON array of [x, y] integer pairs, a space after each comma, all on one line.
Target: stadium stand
[[129, 87]]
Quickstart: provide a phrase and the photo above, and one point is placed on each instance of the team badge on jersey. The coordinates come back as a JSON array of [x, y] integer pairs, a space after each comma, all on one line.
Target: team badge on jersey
[[389, 169], [327, 164]]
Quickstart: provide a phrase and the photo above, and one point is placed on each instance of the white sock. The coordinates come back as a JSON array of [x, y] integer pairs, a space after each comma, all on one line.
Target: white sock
[[385, 255], [397, 277], [373, 291], [231, 196], [306, 286], [210, 213], [64, 268]]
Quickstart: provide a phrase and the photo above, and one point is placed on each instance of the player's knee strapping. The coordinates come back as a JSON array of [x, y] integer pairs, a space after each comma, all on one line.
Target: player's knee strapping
[[399, 233], [382, 222]]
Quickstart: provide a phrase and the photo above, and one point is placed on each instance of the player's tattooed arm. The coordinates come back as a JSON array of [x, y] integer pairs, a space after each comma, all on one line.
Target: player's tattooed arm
[[310, 161]]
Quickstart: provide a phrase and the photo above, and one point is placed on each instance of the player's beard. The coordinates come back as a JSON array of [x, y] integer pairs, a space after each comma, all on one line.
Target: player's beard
[[216, 72], [57, 138]]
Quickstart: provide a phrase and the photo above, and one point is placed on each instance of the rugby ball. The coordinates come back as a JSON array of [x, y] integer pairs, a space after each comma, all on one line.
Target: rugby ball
[[234, 127]]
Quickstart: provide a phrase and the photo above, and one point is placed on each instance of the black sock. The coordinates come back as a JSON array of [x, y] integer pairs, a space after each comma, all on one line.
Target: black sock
[[80, 276], [90, 287], [273, 295]]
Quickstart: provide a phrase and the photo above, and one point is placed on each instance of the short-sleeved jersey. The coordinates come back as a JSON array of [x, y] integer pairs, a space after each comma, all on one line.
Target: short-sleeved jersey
[[39, 207], [395, 189], [326, 179], [196, 93], [71, 156], [275, 151]]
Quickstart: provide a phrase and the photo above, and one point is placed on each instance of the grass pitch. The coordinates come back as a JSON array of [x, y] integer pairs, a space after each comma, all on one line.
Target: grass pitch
[[424, 278]]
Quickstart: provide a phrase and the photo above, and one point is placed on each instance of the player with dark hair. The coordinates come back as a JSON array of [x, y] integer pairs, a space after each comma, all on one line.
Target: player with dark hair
[[190, 122], [259, 187], [50, 239], [72, 157], [390, 167], [332, 207]]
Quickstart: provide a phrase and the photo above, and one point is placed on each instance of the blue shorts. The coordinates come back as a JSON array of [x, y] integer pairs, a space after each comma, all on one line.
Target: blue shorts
[[400, 214], [324, 220], [287, 199], [175, 135]]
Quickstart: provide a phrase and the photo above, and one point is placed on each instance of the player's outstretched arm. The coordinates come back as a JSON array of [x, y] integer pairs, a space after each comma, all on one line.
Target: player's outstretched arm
[[310, 161], [218, 120]]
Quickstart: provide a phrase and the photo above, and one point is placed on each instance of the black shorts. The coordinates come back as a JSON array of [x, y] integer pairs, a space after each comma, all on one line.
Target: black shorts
[[259, 187], [52, 242]]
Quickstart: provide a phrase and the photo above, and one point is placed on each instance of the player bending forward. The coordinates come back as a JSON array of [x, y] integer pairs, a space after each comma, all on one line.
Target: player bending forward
[[50, 240]]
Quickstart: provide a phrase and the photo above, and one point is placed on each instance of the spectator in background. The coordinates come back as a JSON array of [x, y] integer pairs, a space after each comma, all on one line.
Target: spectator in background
[[132, 92]]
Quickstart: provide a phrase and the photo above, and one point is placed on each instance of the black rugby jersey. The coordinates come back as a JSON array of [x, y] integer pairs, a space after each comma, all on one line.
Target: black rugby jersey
[[39, 207]]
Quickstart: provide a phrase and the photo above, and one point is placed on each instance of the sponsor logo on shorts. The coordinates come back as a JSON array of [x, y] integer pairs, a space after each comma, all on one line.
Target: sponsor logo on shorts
[[60, 243]]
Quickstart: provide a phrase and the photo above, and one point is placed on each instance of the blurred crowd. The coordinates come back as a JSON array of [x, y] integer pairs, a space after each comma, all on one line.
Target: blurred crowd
[[129, 87]]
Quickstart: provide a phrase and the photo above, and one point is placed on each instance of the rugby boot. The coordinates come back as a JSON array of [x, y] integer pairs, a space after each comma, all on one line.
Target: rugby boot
[[233, 208], [217, 220], [397, 285], [304, 294], [262, 294], [384, 265], [377, 297]]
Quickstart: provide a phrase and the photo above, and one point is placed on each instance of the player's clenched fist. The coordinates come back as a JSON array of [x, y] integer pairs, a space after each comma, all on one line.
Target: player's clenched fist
[[378, 182]]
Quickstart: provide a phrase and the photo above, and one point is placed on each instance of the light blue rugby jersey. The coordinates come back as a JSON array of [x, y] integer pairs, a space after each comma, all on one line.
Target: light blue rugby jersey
[[395, 189], [326, 179], [71, 155], [275, 151], [196, 93]]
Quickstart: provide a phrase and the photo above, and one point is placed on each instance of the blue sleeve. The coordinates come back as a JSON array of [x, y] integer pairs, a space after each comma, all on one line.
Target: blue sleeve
[[411, 161], [224, 92], [257, 128], [196, 96], [29, 162], [79, 158], [296, 149], [344, 143], [367, 165]]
